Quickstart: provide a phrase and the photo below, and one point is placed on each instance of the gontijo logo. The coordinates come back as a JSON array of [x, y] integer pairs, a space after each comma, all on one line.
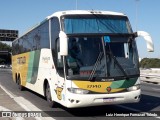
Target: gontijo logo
[[108, 89], [45, 59], [21, 60]]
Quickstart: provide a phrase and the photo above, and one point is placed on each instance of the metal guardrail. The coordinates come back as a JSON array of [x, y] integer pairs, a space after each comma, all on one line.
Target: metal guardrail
[[150, 76]]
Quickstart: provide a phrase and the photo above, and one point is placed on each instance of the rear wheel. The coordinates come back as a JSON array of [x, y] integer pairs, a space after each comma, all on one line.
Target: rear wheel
[[48, 96], [20, 87]]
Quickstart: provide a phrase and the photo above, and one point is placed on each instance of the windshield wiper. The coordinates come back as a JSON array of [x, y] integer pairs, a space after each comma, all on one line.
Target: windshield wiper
[[95, 66], [116, 62]]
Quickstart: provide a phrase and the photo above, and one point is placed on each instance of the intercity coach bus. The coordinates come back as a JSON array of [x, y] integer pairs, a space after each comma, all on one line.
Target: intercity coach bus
[[80, 58]]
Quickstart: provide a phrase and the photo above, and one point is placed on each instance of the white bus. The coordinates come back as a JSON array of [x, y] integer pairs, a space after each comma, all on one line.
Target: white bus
[[80, 58]]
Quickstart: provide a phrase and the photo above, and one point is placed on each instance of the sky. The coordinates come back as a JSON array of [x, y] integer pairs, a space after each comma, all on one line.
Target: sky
[[143, 15]]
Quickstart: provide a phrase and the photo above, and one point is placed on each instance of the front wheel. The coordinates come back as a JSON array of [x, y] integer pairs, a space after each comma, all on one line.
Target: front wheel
[[49, 97]]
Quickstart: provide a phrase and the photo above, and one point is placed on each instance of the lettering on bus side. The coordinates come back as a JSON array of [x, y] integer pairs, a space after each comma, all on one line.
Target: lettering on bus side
[[21, 60], [45, 59], [94, 86]]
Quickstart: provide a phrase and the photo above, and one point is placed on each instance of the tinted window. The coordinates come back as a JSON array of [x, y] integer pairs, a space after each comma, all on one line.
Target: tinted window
[[55, 29], [36, 39], [96, 24]]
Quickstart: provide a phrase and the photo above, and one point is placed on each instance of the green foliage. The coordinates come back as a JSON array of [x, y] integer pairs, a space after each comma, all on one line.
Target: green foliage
[[2, 60], [150, 63], [5, 59], [5, 47]]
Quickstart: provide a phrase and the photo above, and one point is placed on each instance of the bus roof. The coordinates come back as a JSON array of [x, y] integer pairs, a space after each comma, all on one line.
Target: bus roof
[[83, 12], [74, 12]]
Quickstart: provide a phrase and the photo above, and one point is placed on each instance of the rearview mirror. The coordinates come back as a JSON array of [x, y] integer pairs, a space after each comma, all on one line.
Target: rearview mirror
[[147, 38], [63, 43]]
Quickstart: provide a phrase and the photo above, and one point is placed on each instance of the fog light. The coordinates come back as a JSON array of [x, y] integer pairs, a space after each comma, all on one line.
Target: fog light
[[77, 101], [72, 101]]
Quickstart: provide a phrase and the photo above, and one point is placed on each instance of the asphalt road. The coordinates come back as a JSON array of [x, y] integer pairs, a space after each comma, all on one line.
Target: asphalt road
[[150, 103]]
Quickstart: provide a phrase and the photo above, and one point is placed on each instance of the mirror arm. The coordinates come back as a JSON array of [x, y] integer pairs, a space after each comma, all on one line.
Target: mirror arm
[[147, 38], [135, 34]]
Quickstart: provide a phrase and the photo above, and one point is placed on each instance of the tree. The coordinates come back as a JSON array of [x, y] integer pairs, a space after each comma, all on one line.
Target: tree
[[150, 63], [5, 47], [2, 60], [5, 58]]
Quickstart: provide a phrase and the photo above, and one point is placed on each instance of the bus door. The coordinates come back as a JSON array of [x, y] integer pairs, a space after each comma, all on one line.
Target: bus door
[[60, 80]]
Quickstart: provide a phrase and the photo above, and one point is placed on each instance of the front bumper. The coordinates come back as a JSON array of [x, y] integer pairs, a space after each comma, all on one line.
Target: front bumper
[[84, 100]]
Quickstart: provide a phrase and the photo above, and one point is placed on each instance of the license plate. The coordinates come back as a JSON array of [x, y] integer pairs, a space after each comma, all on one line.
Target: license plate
[[108, 99]]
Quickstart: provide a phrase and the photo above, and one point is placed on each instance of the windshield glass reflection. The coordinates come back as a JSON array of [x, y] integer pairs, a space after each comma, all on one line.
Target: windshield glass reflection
[[92, 57]]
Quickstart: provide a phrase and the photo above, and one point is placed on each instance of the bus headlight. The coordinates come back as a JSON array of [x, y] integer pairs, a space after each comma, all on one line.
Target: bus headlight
[[134, 88], [78, 91]]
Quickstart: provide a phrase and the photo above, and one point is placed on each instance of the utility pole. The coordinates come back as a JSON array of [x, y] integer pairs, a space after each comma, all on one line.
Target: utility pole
[[136, 19], [76, 4]]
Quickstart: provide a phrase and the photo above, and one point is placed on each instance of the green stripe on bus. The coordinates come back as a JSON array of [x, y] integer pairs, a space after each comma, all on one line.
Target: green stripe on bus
[[33, 66], [124, 83]]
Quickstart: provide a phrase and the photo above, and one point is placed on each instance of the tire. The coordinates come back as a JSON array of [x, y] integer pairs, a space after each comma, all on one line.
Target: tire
[[20, 87], [48, 96]]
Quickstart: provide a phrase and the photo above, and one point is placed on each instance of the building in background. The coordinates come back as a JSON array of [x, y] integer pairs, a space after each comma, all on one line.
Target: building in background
[[7, 36]]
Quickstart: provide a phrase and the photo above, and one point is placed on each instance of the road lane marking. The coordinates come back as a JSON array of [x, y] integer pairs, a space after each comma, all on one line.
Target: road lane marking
[[7, 110], [4, 109], [9, 93], [24, 103]]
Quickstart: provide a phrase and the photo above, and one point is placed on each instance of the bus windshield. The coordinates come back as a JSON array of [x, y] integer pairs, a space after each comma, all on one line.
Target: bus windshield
[[96, 24], [92, 57], [99, 47]]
